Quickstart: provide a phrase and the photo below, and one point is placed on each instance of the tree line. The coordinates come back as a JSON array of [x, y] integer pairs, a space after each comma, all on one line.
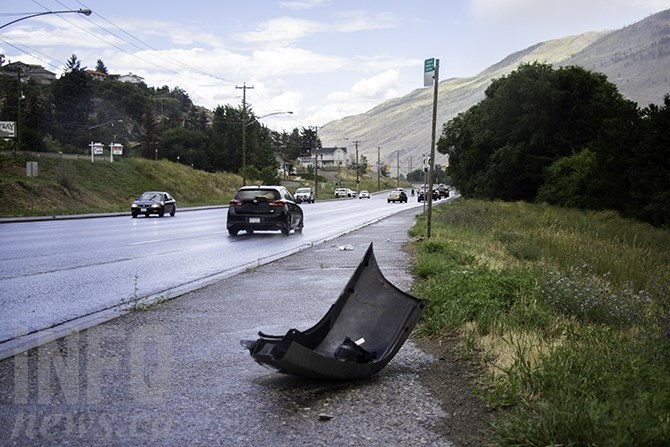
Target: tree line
[[70, 112], [565, 137]]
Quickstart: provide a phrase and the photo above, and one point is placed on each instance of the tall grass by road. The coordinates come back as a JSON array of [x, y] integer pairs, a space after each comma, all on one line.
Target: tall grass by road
[[567, 311]]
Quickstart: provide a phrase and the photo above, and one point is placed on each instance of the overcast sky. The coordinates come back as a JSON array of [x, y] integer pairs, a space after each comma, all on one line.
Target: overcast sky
[[321, 59]]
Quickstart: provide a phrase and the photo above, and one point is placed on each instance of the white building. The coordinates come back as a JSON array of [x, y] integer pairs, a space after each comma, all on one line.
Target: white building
[[326, 157]]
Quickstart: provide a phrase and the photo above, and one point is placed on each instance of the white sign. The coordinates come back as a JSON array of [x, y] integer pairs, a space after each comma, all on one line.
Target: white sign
[[31, 169], [97, 148], [7, 129], [117, 148]]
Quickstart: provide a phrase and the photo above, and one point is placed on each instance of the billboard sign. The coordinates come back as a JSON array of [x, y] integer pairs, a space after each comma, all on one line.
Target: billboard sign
[[7, 129]]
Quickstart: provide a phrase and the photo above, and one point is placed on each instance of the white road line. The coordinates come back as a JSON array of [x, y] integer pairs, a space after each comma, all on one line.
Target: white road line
[[145, 242]]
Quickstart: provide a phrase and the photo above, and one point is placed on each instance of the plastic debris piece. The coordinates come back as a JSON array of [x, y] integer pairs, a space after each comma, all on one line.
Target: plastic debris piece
[[370, 310]]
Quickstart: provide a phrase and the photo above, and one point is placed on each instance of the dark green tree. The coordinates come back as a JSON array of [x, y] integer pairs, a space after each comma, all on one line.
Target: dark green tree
[[309, 141], [567, 179], [73, 104], [224, 152], [650, 167], [501, 147], [100, 67]]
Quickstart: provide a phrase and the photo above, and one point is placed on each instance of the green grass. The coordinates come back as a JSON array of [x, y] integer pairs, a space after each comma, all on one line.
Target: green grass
[[65, 186], [68, 186], [567, 311]]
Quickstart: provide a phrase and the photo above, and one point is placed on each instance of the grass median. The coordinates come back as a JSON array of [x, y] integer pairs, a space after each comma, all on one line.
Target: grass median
[[567, 311]]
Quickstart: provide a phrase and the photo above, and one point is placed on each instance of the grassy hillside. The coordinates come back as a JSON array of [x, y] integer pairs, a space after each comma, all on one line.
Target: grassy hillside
[[69, 186], [66, 186], [566, 311]]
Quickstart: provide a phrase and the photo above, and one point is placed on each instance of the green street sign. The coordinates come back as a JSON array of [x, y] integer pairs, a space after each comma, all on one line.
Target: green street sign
[[429, 65]]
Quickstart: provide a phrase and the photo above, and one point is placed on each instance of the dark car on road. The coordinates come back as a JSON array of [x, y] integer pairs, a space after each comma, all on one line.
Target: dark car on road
[[154, 202], [264, 208], [421, 196]]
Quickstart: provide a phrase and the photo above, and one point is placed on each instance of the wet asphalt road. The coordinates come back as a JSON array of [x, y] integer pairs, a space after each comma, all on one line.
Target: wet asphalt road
[[175, 374]]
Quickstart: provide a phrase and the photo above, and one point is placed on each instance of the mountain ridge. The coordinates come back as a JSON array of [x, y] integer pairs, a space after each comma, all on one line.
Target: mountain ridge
[[636, 58]]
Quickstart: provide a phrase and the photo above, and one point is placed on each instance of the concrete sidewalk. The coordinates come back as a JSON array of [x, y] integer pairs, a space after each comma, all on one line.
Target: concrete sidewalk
[[175, 374]]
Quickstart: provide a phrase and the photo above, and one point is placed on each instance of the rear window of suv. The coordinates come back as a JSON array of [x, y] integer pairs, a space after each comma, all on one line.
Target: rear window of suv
[[251, 194]]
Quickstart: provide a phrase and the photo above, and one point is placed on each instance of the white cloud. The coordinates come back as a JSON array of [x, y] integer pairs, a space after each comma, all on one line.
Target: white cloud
[[280, 30], [302, 4], [285, 30]]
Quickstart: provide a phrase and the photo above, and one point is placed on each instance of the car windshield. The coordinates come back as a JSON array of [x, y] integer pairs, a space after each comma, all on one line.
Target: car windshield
[[302, 191], [151, 196], [251, 194]]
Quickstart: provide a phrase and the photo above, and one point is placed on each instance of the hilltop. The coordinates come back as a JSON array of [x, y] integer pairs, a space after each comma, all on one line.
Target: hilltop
[[635, 58]]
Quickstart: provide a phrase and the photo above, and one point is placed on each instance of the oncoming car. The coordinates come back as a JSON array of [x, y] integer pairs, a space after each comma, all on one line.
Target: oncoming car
[[304, 195], [154, 202], [264, 208], [365, 194], [344, 192], [397, 195]]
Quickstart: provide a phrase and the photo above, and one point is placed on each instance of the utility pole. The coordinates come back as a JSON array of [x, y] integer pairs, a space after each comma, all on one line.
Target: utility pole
[[429, 195], [356, 143], [18, 116], [244, 129], [379, 168], [316, 162], [397, 169]]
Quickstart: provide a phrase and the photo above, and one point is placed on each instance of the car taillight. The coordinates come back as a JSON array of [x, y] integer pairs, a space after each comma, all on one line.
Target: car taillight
[[277, 203], [235, 202]]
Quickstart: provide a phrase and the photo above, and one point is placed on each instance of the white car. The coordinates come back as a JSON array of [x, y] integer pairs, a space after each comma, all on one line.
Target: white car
[[344, 192], [365, 194], [304, 195]]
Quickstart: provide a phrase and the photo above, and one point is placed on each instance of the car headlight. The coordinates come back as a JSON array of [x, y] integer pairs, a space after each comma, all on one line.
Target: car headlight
[[156, 205], [134, 205]]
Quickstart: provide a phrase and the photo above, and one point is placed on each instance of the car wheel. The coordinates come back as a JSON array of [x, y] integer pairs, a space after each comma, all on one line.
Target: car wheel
[[232, 232], [286, 229], [161, 213], [173, 212], [134, 215]]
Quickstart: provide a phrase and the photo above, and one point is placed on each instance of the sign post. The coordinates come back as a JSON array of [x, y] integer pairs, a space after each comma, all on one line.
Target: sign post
[[431, 76], [96, 149]]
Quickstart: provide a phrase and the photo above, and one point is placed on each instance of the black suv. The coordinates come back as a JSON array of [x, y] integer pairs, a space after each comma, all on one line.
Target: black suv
[[264, 208]]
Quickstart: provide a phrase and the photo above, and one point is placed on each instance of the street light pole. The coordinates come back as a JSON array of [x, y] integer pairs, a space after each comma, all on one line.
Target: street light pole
[[86, 12]]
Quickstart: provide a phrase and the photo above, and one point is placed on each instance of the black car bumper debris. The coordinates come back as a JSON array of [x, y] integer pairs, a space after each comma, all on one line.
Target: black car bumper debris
[[361, 332]]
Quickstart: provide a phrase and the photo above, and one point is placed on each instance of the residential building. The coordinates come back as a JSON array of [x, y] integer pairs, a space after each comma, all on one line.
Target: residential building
[[27, 72], [326, 156]]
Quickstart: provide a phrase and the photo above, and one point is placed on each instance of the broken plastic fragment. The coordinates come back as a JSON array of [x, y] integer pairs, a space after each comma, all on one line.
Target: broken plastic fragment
[[370, 309]]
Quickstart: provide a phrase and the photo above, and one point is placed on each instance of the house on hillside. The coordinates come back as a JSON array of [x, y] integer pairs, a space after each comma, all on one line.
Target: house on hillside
[[27, 72], [131, 78], [97, 75], [326, 157]]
